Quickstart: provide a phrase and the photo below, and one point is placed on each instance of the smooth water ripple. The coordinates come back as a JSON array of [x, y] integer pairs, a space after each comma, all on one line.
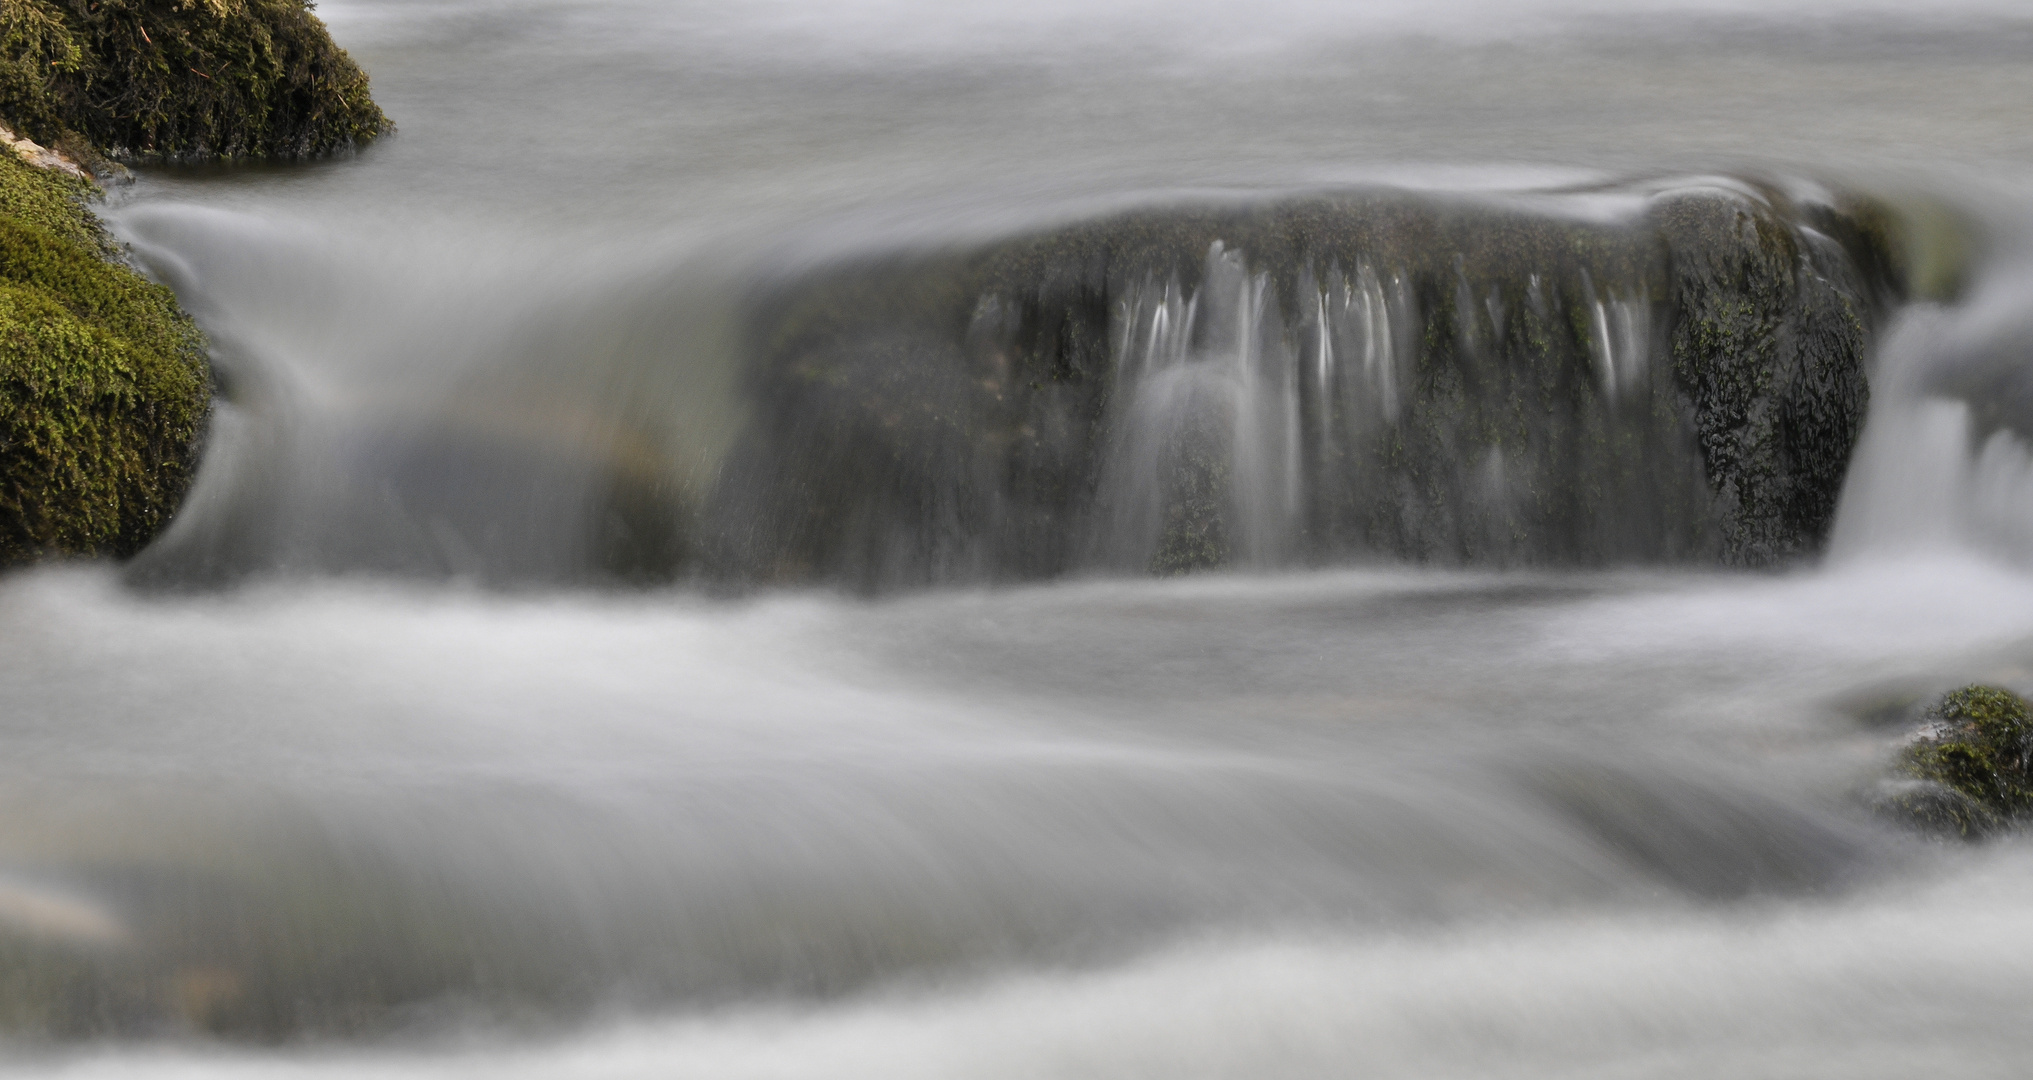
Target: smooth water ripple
[[385, 762]]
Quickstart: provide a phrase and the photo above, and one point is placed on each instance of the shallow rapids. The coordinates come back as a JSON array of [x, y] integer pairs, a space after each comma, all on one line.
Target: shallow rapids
[[402, 754], [348, 810]]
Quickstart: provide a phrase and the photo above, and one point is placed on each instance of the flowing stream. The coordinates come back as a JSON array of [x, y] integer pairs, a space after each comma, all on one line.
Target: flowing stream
[[395, 757]]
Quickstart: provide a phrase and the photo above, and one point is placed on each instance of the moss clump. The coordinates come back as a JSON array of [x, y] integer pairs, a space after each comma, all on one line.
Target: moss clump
[[53, 203], [1973, 770], [103, 381], [181, 80]]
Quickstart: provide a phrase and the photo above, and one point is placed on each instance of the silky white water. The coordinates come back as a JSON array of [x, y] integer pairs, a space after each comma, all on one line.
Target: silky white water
[[355, 757]]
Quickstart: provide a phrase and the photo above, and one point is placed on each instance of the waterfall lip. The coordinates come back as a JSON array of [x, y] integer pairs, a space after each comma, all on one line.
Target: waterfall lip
[[917, 226], [1669, 186], [921, 224]]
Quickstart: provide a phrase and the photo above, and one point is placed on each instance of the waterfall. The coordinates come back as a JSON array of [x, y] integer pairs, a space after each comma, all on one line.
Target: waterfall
[[1944, 465], [1620, 339], [1205, 445], [1360, 329]]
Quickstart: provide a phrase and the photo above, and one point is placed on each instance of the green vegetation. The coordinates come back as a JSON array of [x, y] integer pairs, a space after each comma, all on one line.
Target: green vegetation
[[103, 381], [1972, 772], [52, 202], [181, 80]]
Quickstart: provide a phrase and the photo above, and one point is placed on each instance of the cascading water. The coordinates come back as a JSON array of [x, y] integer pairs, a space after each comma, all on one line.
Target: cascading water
[[1945, 466], [1208, 413], [1620, 339], [1224, 413], [458, 433], [493, 707]]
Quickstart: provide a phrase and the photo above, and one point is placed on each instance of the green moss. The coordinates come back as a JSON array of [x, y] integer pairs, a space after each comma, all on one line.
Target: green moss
[[103, 382], [182, 80], [52, 202], [1974, 768]]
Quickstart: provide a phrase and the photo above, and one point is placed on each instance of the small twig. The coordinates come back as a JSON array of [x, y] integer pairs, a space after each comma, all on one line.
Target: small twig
[[144, 34], [199, 74]]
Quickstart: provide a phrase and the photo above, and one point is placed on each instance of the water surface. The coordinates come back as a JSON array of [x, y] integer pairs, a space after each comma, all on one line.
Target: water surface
[[357, 774]]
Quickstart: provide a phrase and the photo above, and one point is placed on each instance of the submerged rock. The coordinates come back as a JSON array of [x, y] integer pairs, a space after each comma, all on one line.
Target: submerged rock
[[1677, 378], [104, 383], [1970, 772], [181, 80]]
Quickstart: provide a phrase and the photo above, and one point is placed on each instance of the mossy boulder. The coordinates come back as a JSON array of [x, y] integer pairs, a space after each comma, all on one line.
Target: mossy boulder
[[1970, 773], [104, 384], [181, 80]]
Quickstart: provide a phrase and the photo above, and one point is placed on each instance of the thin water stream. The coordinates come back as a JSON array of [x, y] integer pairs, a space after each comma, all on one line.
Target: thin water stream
[[374, 767]]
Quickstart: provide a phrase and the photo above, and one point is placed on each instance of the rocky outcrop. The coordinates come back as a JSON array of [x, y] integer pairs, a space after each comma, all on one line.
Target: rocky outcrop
[[181, 80], [1665, 375], [104, 384]]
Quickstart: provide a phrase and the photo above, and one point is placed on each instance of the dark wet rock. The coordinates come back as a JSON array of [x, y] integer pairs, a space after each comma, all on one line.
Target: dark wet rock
[[1767, 342], [1316, 379]]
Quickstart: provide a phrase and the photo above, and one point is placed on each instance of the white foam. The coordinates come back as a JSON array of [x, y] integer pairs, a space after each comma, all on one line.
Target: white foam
[[1881, 987]]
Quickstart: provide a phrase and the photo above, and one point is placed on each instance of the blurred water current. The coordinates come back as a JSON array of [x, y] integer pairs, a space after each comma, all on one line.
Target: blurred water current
[[372, 789]]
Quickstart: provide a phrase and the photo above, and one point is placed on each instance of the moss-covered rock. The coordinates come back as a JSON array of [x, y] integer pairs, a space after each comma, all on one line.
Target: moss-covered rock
[[181, 80], [1970, 773], [104, 385]]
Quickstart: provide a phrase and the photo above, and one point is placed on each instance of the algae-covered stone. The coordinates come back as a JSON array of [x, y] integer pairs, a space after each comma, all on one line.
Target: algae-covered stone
[[104, 384], [1970, 774], [181, 80]]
